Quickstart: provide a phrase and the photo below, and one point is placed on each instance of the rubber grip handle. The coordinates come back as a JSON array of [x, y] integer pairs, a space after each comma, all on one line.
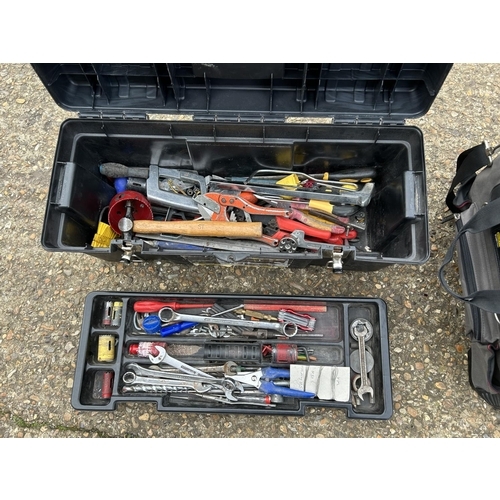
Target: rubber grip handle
[[219, 229], [270, 388], [322, 206], [273, 373], [290, 225], [117, 170]]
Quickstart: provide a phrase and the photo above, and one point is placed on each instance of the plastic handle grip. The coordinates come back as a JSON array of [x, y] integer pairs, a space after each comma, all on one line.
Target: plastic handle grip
[[176, 328], [272, 373], [290, 225], [149, 306], [270, 388]]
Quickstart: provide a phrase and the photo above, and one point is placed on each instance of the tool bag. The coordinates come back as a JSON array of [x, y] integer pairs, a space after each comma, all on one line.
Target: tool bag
[[474, 199]]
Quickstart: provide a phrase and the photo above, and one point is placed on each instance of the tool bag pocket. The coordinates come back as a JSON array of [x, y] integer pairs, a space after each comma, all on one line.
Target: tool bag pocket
[[476, 205]]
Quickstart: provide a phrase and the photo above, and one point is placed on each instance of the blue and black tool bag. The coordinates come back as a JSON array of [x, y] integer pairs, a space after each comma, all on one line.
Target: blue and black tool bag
[[474, 199]]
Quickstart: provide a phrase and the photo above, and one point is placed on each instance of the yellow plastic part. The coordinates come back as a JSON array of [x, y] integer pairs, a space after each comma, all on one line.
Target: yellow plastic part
[[104, 235], [364, 180], [323, 206], [291, 180]]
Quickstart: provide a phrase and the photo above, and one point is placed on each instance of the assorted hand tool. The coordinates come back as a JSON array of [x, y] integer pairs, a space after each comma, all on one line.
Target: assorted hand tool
[[232, 351], [275, 210]]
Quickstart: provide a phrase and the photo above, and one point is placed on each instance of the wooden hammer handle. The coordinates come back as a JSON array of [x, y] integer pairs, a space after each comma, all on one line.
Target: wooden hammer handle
[[200, 228]]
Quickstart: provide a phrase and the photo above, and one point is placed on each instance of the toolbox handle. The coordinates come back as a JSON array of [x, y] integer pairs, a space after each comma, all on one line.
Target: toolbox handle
[[414, 194]]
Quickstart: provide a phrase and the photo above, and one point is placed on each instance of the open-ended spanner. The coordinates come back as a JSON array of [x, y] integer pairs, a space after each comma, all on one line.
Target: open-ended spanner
[[362, 330], [168, 315], [191, 378], [150, 384]]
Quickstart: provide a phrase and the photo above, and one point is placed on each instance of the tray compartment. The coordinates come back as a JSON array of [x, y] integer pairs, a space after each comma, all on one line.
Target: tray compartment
[[331, 347]]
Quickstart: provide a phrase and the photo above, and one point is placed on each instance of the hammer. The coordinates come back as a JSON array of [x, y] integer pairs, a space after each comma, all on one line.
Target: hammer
[[205, 228]]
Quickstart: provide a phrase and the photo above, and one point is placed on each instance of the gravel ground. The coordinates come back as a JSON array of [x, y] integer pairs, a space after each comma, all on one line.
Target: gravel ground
[[43, 293]]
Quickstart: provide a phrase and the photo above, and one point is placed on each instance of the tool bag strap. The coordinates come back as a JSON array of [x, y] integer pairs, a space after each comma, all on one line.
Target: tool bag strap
[[486, 218], [468, 163]]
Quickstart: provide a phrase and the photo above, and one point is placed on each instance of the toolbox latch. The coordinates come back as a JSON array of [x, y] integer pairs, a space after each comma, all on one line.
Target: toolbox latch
[[336, 263], [119, 115]]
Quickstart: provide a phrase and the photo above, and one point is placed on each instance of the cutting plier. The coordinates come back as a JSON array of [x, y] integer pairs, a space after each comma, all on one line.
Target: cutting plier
[[262, 379]]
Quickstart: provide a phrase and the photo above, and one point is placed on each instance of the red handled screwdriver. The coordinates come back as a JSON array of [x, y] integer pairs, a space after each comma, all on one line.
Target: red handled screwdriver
[[149, 306]]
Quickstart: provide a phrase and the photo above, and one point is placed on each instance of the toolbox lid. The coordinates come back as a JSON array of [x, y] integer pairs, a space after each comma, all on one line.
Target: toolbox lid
[[357, 92]]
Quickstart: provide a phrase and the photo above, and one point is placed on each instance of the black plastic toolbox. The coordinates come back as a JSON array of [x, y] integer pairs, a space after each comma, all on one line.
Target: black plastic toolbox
[[245, 118], [322, 358]]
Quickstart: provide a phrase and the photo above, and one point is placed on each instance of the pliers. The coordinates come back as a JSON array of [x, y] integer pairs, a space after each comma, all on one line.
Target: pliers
[[262, 380]]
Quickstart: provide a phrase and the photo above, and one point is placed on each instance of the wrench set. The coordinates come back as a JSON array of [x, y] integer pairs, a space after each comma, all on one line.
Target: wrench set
[[231, 353]]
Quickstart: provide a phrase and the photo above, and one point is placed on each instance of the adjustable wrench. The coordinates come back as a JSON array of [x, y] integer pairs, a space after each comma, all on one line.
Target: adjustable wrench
[[169, 360], [362, 330]]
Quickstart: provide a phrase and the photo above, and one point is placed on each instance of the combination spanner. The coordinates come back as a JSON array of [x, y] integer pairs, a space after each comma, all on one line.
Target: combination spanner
[[168, 315], [138, 375], [362, 330]]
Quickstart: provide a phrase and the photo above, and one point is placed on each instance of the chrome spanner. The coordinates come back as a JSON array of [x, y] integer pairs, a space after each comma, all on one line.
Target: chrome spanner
[[159, 385], [168, 315], [138, 375], [362, 330], [131, 378]]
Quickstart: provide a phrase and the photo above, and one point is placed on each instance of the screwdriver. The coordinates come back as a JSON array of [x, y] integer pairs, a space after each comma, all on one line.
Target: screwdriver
[[149, 306]]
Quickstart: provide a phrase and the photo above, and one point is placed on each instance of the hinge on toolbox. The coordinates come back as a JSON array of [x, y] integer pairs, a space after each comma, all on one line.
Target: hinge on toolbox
[[240, 119], [119, 115], [364, 120]]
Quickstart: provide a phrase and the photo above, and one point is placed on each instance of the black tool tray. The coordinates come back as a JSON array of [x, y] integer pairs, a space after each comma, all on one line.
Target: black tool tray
[[244, 118], [115, 345]]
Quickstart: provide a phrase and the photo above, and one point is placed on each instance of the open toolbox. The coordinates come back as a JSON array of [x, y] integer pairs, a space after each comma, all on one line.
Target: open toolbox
[[239, 182], [234, 354]]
